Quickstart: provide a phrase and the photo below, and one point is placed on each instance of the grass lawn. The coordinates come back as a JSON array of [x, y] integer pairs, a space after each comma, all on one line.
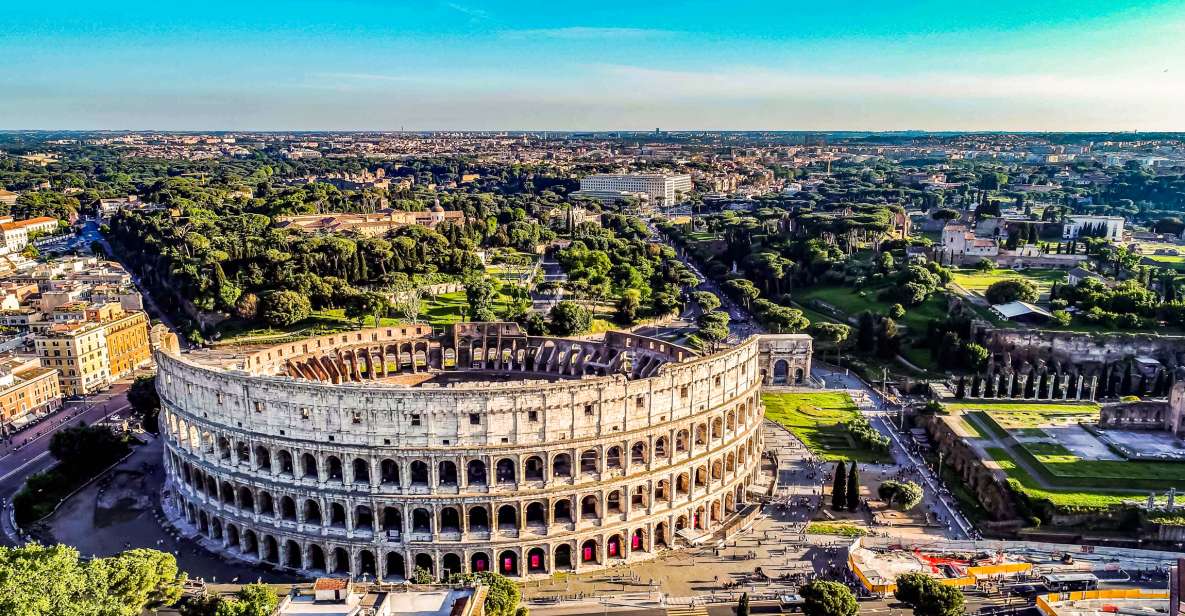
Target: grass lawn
[[818, 419], [836, 528], [1062, 467], [320, 322], [1068, 498], [449, 308], [1039, 419], [851, 302], [981, 425], [1036, 407], [978, 282]]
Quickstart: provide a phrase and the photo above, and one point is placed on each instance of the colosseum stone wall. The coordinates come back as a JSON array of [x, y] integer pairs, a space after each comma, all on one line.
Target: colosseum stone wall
[[373, 452]]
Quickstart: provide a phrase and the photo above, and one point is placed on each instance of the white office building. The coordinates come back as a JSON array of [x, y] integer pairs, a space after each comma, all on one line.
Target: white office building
[[658, 188]]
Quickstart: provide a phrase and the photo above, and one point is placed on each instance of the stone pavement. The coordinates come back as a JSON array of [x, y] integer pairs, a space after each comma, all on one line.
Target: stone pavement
[[100, 521]]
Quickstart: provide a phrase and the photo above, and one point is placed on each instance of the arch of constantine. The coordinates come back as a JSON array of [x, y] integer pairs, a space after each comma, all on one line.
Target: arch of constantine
[[377, 451]]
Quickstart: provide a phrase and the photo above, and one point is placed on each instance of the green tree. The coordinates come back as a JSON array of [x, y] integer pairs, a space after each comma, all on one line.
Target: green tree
[[896, 311], [479, 293], [628, 305], [502, 595], [888, 342], [713, 327], [247, 306], [706, 300], [80, 448], [136, 579], [283, 308], [569, 318], [929, 597], [902, 495], [743, 289], [420, 575], [368, 304], [1011, 290], [145, 401], [839, 497], [40, 580], [251, 600], [824, 598], [743, 605], [853, 488]]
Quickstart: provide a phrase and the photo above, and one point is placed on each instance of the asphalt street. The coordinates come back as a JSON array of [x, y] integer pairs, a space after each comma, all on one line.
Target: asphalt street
[[27, 451]]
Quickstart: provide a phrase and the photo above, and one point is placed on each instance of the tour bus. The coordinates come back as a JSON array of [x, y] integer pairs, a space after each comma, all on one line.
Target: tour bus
[[1060, 582]]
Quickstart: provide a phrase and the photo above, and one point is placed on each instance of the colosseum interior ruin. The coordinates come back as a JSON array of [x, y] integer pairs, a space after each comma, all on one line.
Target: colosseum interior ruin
[[374, 452]]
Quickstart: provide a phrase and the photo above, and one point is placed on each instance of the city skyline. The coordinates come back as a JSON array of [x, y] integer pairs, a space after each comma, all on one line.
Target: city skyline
[[1076, 66]]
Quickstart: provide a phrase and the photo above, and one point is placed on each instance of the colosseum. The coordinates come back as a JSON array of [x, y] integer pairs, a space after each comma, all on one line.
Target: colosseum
[[374, 452]]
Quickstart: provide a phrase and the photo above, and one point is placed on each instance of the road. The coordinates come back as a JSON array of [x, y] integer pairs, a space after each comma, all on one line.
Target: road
[[881, 415], [90, 233], [28, 451], [878, 410]]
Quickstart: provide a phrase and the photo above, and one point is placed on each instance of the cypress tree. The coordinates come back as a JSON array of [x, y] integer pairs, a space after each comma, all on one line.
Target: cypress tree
[[743, 605], [961, 392], [1158, 388], [839, 487], [853, 488]]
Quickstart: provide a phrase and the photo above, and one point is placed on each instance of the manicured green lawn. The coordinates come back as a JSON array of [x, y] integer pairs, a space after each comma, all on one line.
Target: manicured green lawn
[[818, 419], [449, 308], [978, 282], [984, 427], [320, 322], [1068, 498], [1066, 468], [1035, 407], [852, 302]]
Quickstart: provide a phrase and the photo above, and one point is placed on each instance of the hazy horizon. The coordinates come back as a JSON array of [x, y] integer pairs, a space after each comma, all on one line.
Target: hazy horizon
[[760, 65]]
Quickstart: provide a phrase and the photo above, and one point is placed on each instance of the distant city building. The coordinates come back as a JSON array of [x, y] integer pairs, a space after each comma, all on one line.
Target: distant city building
[[959, 243], [659, 188], [379, 223], [14, 234], [1109, 227]]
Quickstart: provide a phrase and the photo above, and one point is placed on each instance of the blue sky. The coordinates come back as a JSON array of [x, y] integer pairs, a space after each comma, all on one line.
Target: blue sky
[[735, 64]]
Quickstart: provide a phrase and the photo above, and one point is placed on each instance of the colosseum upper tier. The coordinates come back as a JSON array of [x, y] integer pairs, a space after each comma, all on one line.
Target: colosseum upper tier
[[373, 452]]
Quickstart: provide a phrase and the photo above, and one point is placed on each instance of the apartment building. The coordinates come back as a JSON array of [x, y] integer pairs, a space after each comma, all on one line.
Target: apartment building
[[127, 344], [78, 351], [26, 389], [658, 188], [91, 354]]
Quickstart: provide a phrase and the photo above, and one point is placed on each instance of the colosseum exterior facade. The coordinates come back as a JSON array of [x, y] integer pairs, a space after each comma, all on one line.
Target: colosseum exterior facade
[[373, 452]]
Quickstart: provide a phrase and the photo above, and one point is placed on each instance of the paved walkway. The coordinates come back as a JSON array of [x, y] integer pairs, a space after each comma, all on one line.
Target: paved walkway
[[881, 415], [122, 511]]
